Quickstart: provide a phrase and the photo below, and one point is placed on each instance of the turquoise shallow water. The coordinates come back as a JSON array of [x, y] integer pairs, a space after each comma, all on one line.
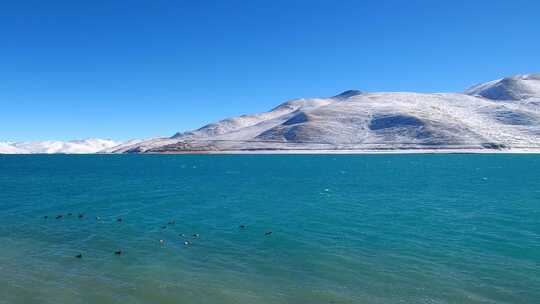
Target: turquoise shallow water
[[346, 229]]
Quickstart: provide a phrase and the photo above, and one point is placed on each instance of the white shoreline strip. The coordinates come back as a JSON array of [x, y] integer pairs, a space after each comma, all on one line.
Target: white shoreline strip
[[397, 151], [308, 151]]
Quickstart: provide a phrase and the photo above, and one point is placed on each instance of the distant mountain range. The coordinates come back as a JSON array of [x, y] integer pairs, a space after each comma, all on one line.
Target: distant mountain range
[[500, 114], [92, 145]]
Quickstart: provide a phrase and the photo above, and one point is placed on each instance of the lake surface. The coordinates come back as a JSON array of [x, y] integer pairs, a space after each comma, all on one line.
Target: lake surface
[[345, 229]]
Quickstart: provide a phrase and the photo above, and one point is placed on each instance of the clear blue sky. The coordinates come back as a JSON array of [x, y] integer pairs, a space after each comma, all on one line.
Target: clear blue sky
[[129, 69]]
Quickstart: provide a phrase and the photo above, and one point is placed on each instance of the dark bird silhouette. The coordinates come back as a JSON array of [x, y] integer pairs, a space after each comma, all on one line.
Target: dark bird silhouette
[[119, 219], [196, 236], [268, 233], [163, 227], [81, 215], [242, 226], [118, 252], [79, 256], [59, 216], [171, 222], [46, 217], [70, 214]]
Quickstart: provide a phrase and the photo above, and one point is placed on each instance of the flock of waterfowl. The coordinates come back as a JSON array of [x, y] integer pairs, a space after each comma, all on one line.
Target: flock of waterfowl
[[119, 220]]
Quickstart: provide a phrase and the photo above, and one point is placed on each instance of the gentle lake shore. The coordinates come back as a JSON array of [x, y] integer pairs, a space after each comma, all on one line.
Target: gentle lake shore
[[318, 152], [389, 151]]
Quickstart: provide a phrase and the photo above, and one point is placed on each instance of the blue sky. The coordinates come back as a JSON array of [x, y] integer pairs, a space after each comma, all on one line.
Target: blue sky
[[129, 69]]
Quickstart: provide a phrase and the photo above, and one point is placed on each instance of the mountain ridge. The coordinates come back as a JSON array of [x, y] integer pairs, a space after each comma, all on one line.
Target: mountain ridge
[[504, 113]]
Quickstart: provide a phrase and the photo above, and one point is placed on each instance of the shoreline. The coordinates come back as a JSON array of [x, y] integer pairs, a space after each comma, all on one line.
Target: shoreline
[[314, 152], [351, 152]]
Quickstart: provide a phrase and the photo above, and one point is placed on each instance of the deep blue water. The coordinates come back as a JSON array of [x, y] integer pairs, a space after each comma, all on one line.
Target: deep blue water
[[345, 229]]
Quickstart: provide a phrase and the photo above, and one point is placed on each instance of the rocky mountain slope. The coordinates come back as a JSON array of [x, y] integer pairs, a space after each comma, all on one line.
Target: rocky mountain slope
[[500, 114]]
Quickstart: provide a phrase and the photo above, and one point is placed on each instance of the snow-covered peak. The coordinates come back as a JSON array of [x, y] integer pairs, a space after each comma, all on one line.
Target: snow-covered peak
[[348, 93], [91, 145], [301, 103], [517, 87]]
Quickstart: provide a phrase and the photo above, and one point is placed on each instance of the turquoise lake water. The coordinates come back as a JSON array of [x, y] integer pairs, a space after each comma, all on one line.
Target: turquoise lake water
[[345, 229]]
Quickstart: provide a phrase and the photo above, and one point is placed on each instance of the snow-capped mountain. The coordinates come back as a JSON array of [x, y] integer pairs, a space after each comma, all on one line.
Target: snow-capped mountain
[[499, 114], [92, 145]]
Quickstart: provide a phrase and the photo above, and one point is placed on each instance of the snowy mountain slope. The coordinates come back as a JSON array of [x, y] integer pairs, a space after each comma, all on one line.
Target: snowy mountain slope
[[91, 145], [120, 145], [501, 113], [234, 124], [9, 148], [236, 128], [518, 87]]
